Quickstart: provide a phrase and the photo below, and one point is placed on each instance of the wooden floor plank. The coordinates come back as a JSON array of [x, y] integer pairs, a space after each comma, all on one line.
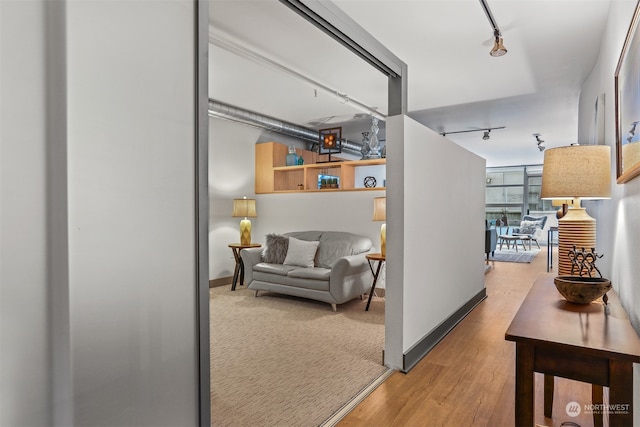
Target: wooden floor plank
[[468, 379]]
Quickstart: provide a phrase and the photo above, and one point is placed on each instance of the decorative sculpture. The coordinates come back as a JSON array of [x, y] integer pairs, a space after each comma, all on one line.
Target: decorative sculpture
[[584, 261]]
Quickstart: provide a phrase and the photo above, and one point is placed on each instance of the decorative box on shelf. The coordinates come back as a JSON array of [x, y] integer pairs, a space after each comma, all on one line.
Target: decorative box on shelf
[[328, 181]]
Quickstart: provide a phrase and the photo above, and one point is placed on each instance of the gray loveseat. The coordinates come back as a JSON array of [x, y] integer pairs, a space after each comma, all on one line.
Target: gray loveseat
[[337, 273]]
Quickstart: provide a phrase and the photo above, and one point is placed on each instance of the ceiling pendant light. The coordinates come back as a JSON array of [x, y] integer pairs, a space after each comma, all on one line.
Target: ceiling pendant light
[[486, 134]]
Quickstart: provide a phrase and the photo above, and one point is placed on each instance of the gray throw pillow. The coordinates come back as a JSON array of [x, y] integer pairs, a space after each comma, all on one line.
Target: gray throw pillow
[[301, 253], [275, 250], [529, 227]]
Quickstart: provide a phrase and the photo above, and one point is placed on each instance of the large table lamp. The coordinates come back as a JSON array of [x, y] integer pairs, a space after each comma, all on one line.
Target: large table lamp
[[244, 208], [380, 214], [573, 173]]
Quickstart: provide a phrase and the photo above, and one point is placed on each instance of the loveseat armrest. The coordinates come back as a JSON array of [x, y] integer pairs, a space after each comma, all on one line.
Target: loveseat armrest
[[250, 257], [348, 265], [350, 276]]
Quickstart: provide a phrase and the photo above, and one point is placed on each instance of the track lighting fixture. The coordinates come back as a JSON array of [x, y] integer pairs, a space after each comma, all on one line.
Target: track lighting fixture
[[498, 48], [485, 136], [539, 141]]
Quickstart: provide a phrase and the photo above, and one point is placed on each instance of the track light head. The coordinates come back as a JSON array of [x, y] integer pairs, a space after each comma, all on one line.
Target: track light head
[[486, 135], [539, 142], [498, 48]]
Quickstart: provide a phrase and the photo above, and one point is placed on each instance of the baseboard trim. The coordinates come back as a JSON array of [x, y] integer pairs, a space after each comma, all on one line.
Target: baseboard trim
[[426, 344], [214, 283], [357, 399]]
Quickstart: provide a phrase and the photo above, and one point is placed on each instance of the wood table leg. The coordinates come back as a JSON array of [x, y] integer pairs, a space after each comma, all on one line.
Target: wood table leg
[[524, 385], [549, 384], [373, 285], [620, 393], [597, 399], [236, 271]]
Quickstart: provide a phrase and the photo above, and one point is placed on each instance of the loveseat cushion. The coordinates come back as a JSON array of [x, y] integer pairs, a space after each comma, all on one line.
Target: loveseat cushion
[[279, 269], [286, 281], [316, 273], [337, 244]]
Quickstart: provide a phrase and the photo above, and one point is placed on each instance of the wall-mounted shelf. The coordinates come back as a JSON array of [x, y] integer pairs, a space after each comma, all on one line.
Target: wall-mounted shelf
[[272, 176]]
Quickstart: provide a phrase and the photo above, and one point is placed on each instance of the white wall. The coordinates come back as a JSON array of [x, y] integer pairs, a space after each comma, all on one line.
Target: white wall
[[99, 278], [24, 347], [435, 238], [232, 175], [618, 221]]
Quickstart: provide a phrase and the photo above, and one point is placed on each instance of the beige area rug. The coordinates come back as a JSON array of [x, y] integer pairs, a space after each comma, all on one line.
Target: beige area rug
[[285, 361]]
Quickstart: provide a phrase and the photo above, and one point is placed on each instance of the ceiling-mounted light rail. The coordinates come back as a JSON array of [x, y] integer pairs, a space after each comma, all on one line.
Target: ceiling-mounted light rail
[[486, 131]]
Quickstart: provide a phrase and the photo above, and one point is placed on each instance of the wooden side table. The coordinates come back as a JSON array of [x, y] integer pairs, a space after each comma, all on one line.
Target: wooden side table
[[239, 270], [371, 259], [593, 343]]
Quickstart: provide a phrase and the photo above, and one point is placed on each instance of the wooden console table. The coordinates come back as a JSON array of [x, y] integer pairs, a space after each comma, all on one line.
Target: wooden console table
[[593, 343]]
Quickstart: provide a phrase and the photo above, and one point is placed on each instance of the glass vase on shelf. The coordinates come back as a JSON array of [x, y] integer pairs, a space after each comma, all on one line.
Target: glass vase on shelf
[[374, 143], [292, 158], [365, 145]]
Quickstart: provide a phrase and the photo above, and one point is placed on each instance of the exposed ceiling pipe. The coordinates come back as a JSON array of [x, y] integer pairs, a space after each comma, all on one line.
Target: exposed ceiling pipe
[[229, 112]]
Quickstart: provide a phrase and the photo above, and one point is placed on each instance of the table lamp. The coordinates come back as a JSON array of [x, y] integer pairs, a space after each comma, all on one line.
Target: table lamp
[[244, 208], [573, 173], [380, 214]]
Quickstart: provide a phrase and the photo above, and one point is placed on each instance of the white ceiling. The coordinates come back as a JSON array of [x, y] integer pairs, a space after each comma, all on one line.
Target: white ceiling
[[453, 82]]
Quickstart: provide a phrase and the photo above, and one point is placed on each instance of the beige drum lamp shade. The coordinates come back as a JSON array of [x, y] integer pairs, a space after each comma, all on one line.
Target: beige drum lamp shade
[[570, 174], [244, 208], [577, 172]]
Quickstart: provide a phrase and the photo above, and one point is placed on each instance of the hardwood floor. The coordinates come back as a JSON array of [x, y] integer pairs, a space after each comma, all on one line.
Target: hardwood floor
[[468, 379]]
